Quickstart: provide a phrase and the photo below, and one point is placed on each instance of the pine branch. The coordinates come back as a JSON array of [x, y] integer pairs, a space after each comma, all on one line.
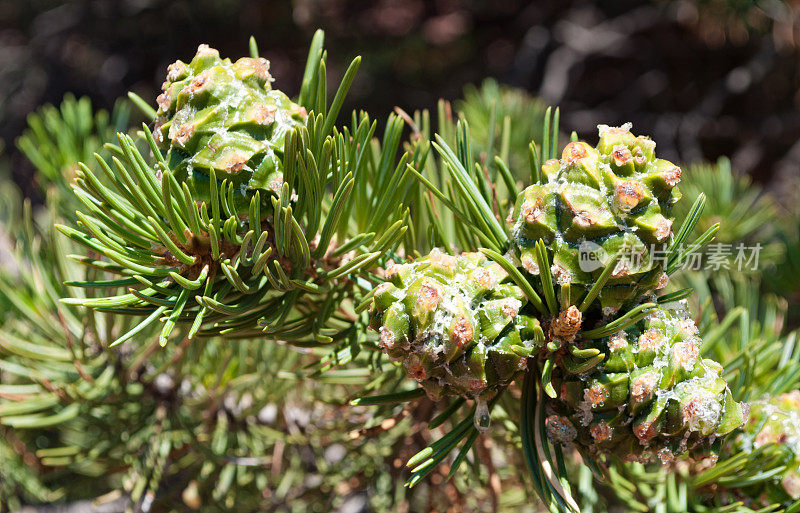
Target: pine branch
[[293, 227], [206, 268]]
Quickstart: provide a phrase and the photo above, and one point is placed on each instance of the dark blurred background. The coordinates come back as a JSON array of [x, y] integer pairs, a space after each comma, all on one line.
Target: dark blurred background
[[704, 78]]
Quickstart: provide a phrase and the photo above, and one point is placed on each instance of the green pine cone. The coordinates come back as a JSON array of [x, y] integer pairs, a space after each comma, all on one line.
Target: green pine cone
[[774, 420], [223, 115], [651, 396], [455, 323], [593, 203]]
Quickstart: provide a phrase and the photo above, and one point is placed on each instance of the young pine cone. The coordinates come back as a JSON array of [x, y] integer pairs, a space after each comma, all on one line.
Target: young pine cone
[[595, 203], [652, 396], [456, 323], [774, 420], [223, 115]]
